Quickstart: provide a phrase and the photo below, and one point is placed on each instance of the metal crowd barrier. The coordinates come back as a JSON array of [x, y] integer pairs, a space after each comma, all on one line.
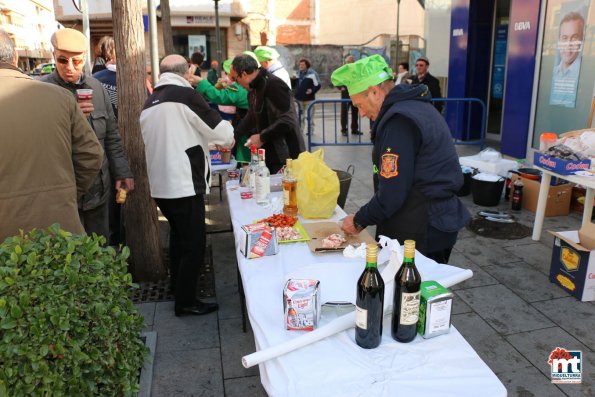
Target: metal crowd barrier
[[461, 114]]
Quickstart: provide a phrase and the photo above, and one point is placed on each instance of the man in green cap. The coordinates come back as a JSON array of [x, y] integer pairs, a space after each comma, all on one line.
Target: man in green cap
[[269, 59], [230, 95], [271, 122], [416, 167]]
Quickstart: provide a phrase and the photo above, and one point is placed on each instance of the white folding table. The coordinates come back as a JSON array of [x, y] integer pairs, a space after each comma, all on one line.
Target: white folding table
[[546, 177], [443, 366]]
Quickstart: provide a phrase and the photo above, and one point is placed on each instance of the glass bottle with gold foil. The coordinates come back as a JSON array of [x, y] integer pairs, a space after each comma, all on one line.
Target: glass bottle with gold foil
[[369, 306], [289, 190], [406, 297]]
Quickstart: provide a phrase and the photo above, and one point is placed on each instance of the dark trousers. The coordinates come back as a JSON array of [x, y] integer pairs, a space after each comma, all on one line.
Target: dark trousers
[[345, 108], [187, 242], [96, 221]]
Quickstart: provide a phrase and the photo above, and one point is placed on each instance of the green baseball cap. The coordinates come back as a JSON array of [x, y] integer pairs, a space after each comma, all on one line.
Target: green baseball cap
[[253, 55], [227, 64], [264, 53], [360, 75]]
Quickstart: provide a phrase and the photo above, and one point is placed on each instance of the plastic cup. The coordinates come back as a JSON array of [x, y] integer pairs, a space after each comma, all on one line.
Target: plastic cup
[[84, 95], [226, 156]]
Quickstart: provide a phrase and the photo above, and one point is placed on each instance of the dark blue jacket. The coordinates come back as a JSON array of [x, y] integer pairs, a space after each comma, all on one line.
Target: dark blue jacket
[[417, 172]]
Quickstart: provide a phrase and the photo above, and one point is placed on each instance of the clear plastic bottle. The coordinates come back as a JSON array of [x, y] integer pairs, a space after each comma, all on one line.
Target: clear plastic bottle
[[252, 169], [263, 181]]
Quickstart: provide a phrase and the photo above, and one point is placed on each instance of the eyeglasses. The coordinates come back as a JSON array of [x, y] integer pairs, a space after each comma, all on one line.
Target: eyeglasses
[[76, 62]]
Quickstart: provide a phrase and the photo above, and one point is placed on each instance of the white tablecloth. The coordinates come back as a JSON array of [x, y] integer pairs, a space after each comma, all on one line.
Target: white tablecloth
[[443, 366]]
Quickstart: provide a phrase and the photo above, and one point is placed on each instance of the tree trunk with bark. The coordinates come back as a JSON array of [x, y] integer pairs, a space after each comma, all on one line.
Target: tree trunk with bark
[[168, 39], [139, 212]]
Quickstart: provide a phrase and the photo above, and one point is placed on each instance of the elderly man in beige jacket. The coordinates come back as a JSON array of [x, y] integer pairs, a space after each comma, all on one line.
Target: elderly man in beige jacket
[[50, 155]]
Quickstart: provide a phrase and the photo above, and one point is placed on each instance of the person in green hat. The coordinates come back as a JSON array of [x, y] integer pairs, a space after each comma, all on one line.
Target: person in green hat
[[416, 168], [229, 95], [271, 122], [269, 59]]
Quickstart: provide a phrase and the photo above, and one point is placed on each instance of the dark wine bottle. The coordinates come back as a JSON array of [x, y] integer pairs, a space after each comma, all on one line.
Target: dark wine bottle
[[369, 305], [406, 297]]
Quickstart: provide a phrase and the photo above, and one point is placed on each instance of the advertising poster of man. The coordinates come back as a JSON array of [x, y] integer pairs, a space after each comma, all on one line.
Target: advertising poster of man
[[571, 33]]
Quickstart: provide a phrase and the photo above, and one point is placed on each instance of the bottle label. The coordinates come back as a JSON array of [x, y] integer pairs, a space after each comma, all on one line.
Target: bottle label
[[285, 197], [361, 318], [263, 188], [252, 181], [409, 308]]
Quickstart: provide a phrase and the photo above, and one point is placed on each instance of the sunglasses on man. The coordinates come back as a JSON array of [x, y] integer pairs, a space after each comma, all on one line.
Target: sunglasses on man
[[75, 61]]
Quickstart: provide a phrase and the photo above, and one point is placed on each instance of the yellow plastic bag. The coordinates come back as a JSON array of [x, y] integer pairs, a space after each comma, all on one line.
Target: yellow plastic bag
[[317, 186]]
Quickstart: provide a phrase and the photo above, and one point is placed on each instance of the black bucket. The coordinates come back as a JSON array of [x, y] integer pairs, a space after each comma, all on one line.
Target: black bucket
[[466, 188], [486, 193], [344, 184]]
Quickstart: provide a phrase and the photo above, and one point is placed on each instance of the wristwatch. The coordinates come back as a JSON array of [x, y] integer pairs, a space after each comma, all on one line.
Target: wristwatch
[[358, 226]]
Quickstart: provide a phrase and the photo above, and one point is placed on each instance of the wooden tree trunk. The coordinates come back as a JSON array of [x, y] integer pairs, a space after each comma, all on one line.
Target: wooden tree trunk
[[168, 40], [140, 212]]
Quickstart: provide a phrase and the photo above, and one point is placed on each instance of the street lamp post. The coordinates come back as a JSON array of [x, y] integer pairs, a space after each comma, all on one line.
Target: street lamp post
[[217, 31], [397, 41]]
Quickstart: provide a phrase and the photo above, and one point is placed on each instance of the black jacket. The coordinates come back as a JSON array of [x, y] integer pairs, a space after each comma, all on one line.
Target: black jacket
[[271, 113], [417, 172], [434, 86]]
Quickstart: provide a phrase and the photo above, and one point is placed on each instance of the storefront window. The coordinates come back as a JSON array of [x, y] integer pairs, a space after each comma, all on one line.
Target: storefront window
[[566, 76]]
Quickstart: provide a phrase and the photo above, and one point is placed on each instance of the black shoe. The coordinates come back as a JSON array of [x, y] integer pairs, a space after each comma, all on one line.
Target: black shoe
[[357, 133], [197, 309], [344, 133]]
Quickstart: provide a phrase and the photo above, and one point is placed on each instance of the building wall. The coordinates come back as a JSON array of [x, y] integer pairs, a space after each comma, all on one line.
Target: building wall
[[30, 24], [279, 22], [352, 22]]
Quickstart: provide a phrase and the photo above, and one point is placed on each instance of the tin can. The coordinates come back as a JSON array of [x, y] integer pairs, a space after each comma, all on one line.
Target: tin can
[[434, 309]]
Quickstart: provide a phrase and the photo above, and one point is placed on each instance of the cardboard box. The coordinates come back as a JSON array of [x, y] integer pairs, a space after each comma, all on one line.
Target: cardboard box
[[258, 240], [559, 166], [573, 262], [558, 199], [434, 309]]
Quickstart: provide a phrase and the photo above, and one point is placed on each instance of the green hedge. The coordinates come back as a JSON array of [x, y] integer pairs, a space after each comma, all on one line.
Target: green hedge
[[67, 324]]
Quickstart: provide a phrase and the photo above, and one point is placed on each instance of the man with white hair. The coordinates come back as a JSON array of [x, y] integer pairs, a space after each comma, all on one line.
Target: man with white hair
[[178, 126], [269, 59], [49, 152]]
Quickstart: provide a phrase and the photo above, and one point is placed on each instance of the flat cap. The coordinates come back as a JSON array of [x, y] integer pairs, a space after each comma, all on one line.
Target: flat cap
[[424, 58], [264, 53], [70, 40], [360, 75]]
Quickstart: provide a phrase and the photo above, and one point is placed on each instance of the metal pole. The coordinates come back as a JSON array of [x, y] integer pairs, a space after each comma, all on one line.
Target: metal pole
[[397, 42], [87, 33], [153, 43], [217, 32]]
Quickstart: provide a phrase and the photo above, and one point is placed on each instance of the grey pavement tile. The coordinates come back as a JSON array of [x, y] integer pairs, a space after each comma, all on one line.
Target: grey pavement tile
[[497, 353], [480, 277], [536, 254], [484, 252], [525, 281], [504, 310], [184, 333], [528, 382], [244, 387], [147, 310], [234, 345], [189, 373], [577, 318], [536, 346], [459, 306]]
